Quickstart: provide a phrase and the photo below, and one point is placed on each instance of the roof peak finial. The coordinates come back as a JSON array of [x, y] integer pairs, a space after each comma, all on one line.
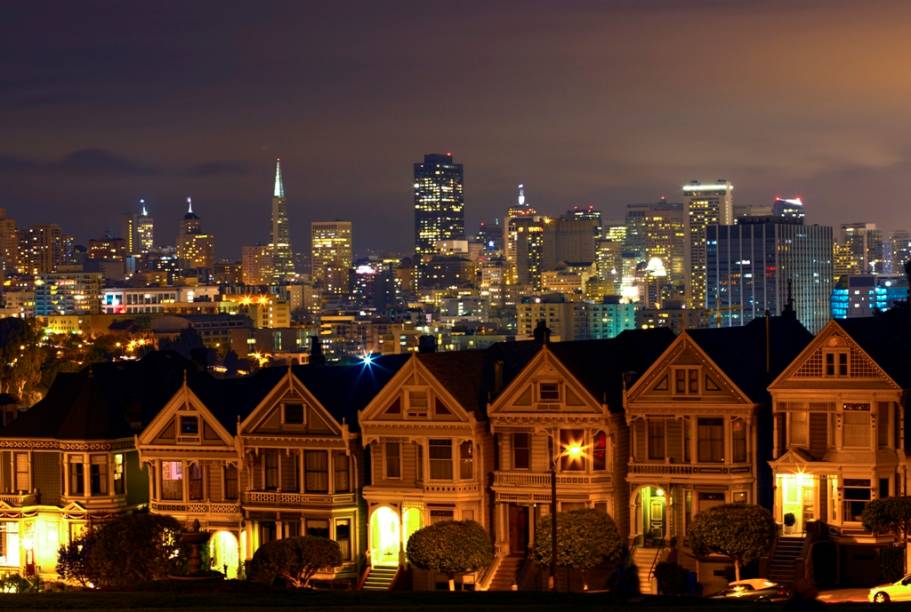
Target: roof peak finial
[[279, 191], [189, 205]]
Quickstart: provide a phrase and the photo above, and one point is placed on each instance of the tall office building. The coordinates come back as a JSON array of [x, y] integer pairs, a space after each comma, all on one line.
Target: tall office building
[[256, 264], [9, 244], [520, 213], [571, 237], [195, 249], [704, 204], [900, 250], [865, 244], [145, 231], [753, 266], [331, 257], [438, 203], [42, 248], [282, 256]]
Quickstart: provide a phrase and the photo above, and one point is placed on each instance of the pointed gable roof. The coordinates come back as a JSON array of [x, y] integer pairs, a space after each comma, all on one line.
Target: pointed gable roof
[[601, 365], [464, 374], [345, 389], [886, 338], [231, 399], [740, 352]]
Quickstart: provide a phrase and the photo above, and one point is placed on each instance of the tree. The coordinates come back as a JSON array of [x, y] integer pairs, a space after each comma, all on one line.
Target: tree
[[743, 532], [133, 547], [585, 539], [20, 356], [295, 560], [450, 547], [891, 515]]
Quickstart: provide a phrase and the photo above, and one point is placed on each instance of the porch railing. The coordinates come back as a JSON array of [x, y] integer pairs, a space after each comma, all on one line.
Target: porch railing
[[542, 479], [679, 468]]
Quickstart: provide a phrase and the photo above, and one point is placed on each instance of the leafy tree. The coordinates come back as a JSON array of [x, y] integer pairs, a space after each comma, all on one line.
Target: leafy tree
[[134, 547], [450, 547], [585, 539], [294, 560], [72, 561], [20, 356], [891, 515], [743, 532]]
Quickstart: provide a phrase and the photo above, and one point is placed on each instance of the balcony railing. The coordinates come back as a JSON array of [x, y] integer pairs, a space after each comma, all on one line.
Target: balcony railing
[[282, 498], [195, 507], [542, 479], [20, 499], [688, 468]]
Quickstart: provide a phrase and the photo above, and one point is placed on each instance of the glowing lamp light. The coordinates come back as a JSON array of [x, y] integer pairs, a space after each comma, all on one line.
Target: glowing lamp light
[[574, 450], [367, 359]]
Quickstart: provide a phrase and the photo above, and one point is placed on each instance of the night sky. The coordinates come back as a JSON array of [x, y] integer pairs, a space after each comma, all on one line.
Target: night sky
[[585, 102]]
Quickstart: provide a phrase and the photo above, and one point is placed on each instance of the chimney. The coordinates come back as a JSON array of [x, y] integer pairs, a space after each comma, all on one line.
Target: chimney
[[768, 347], [497, 376], [427, 344], [542, 333], [316, 352]]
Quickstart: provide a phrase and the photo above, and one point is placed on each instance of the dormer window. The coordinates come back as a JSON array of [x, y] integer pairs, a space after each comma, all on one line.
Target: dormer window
[[686, 380], [189, 426], [836, 363], [293, 414], [418, 402], [549, 392]]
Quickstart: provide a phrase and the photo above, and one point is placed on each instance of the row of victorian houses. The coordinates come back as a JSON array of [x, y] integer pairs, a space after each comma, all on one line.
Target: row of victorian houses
[[811, 427]]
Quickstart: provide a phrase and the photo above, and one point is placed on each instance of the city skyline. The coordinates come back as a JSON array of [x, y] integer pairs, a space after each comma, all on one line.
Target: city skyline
[[594, 141]]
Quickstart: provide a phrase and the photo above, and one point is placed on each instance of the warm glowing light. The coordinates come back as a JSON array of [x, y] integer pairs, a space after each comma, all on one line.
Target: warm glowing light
[[574, 451]]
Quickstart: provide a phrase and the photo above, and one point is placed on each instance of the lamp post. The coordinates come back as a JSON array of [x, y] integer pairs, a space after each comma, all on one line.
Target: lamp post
[[574, 452]]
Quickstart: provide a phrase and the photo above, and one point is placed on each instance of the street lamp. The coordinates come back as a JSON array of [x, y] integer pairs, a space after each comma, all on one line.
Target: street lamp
[[574, 451]]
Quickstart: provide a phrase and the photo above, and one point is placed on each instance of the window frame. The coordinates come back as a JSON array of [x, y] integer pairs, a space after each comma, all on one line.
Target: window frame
[[303, 414]]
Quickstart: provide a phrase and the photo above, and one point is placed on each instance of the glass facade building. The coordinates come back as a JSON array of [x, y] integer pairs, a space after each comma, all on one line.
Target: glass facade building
[[750, 266], [439, 204], [861, 295]]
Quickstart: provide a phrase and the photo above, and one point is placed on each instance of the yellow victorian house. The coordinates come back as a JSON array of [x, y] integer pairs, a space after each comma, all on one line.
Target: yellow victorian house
[[840, 436], [429, 449]]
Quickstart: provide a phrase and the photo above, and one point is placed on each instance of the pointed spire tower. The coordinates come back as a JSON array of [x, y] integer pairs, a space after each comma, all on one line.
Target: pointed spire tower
[[280, 245]]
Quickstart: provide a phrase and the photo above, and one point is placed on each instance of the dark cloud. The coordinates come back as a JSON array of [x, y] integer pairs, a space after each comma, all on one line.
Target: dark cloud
[[583, 101]]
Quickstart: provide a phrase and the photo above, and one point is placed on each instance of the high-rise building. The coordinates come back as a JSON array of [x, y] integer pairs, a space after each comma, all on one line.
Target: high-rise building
[[107, 248], [865, 243], [704, 204], [900, 250], [528, 250], [514, 216], [195, 249], [63, 293], [788, 208], [9, 244], [331, 257], [756, 265], [256, 264], [438, 203], [41, 249], [282, 255], [571, 237], [144, 240]]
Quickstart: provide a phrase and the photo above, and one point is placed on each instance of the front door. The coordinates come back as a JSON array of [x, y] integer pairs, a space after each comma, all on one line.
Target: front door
[[518, 530], [654, 505], [385, 543], [798, 501]]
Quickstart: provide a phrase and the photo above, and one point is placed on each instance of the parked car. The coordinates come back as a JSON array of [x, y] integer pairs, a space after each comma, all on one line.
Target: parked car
[[754, 589], [900, 590]]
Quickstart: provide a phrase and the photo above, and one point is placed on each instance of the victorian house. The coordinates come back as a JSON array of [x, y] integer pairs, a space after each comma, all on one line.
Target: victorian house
[[700, 431], [256, 459], [426, 437], [840, 436], [69, 462], [561, 407]]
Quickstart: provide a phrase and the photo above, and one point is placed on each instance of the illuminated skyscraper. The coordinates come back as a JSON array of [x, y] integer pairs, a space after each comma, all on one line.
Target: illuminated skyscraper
[[900, 250], [754, 265], [42, 248], [438, 204], [523, 214], [282, 256], [256, 264], [865, 243], [195, 249], [145, 231], [9, 243], [331, 256], [704, 204]]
